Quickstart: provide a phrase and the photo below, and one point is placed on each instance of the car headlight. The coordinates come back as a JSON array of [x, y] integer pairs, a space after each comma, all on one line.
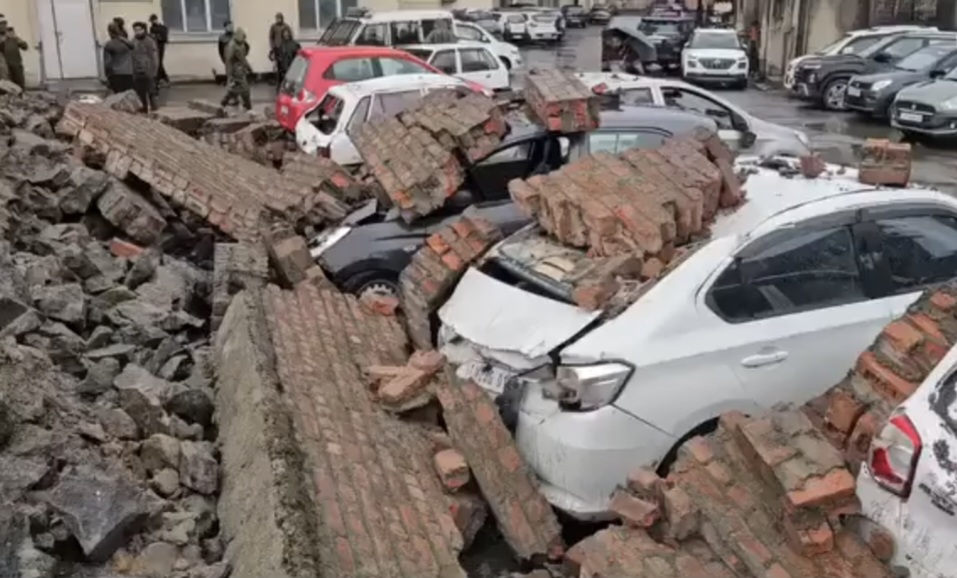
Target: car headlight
[[691, 63], [326, 239], [950, 104], [880, 85], [587, 387]]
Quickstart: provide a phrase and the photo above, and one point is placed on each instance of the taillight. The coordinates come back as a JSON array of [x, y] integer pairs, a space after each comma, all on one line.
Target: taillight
[[894, 453], [600, 89]]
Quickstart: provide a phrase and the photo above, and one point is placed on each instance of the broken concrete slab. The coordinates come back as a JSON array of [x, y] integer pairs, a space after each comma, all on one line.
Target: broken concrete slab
[[132, 213]]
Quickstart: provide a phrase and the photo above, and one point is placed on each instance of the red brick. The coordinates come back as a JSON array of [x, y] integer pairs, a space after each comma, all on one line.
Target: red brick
[[634, 511], [403, 387], [430, 361], [843, 411], [680, 513], [452, 469], [904, 335], [834, 486], [812, 166], [927, 325], [881, 544], [813, 541], [120, 248], [777, 571], [700, 449], [944, 301], [897, 388], [380, 304], [645, 484]]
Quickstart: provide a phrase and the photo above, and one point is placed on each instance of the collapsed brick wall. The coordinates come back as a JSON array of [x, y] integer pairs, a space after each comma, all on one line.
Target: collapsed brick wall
[[762, 496], [381, 510], [230, 193], [236, 266]]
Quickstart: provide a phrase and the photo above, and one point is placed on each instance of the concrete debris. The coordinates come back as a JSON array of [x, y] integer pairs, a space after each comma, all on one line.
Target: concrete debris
[[416, 159], [885, 163], [561, 102], [184, 118], [436, 268], [127, 101], [404, 388], [263, 142], [236, 266]]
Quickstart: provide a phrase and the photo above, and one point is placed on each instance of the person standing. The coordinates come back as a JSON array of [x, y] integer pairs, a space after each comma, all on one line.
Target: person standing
[[754, 40], [160, 34], [118, 61], [224, 40], [276, 32], [285, 54], [145, 65], [11, 48], [237, 70], [120, 26], [441, 34]]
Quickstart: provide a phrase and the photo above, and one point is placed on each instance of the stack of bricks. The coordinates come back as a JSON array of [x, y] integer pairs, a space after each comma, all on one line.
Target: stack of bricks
[[322, 175], [762, 496], [401, 388], [887, 373], [263, 142], [416, 158], [435, 269], [230, 193], [884, 163], [236, 266], [561, 102], [643, 202]]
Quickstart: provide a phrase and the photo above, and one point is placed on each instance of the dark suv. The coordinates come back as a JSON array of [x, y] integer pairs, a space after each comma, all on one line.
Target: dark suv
[[366, 252], [823, 80], [575, 16], [669, 35]]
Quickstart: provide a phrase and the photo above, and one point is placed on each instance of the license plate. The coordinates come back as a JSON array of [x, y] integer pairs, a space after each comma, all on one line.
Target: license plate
[[488, 377], [802, 88], [851, 91], [910, 117]]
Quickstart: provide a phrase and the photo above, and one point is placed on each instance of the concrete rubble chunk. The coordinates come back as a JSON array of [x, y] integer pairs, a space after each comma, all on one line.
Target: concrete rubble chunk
[[560, 101], [141, 396], [198, 469], [291, 258], [133, 214], [126, 101]]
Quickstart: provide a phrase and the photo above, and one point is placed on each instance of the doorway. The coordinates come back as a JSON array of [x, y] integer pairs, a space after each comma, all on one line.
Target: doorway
[[69, 42]]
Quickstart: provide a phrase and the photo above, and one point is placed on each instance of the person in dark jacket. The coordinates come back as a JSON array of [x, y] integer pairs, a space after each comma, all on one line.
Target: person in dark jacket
[[118, 61], [284, 55], [145, 65], [237, 70], [11, 46], [120, 26], [276, 33], [160, 34]]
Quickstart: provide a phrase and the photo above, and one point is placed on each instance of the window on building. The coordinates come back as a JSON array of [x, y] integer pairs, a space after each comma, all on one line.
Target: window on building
[[195, 15], [319, 14]]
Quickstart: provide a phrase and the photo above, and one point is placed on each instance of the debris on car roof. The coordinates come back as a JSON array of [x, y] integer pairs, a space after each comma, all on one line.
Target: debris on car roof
[[885, 163], [561, 102]]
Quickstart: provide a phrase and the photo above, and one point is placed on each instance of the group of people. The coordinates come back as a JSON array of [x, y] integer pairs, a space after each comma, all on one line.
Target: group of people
[[11, 57], [136, 63], [234, 53]]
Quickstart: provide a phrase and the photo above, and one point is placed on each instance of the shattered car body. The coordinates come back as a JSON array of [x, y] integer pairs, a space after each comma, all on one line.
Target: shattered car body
[[591, 394]]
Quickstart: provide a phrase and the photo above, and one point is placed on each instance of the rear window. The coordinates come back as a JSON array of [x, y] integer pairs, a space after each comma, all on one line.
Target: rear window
[[391, 104], [576, 9], [515, 18], [296, 75], [423, 54], [339, 33], [351, 70], [325, 117], [543, 18]]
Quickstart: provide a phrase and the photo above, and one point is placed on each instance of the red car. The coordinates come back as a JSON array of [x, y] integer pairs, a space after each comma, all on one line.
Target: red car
[[318, 68]]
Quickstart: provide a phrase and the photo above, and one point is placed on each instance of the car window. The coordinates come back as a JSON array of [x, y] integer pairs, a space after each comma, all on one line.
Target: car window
[[476, 60], [351, 70], [616, 142], [405, 32], [923, 58], [444, 60], [339, 32], [360, 114], [948, 65], [429, 25], [696, 102], [919, 250], [467, 32], [860, 44], [424, 54], [714, 40], [636, 97], [296, 75], [515, 18], [392, 66], [372, 35], [391, 104], [903, 46], [515, 152], [806, 270], [325, 117]]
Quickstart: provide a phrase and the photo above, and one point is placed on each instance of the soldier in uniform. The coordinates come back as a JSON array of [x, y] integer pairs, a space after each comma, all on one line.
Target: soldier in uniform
[[237, 70]]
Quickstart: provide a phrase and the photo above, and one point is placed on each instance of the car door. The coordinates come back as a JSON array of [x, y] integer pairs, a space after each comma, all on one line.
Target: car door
[[446, 60], [481, 67], [697, 101], [799, 309], [491, 175]]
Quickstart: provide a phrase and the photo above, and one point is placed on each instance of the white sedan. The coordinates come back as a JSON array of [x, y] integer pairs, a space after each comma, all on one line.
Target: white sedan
[[774, 307]]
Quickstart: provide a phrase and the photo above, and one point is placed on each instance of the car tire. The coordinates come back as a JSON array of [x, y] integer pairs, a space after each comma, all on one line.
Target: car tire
[[506, 62], [377, 281], [832, 97]]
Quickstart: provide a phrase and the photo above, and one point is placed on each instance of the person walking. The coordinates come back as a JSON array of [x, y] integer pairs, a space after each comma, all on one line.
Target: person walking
[[285, 54], [276, 31], [441, 34], [11, 46], [160, 34], [145, 66], [237, 70], [224, 40], [754, 40], [118, 61]]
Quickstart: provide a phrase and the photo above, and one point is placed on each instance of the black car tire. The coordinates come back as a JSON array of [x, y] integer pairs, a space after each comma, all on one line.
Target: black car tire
[[366, 280], [741, 84], [506, 62], [829, 100]]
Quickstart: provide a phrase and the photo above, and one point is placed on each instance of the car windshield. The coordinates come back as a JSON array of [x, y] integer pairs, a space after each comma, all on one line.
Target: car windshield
[[712, 40], [295, 76], [576, 10], [659, 27], [952, 75], [832, 47], [923, 58], [339, 33]]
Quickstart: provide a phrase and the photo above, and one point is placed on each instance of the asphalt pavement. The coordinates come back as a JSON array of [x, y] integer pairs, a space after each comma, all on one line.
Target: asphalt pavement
[[836, 136]]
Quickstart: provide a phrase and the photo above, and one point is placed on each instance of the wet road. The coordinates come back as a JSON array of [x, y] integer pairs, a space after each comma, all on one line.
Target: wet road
[[837, 136]]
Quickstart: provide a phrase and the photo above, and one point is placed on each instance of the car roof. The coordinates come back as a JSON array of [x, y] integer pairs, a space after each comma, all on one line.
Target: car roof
[[405, 15], [393, 83], [724, 31], [348, 50], [444, 45], [628, 117], [625, 80], [890, 28]]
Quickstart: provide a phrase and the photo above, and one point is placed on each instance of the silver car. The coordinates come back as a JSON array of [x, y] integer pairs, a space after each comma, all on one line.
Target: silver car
[[928, 108]]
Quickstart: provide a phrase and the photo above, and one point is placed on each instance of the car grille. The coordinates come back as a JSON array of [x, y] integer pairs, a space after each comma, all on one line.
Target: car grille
[[908, 106], [717, 63], [802, 74]]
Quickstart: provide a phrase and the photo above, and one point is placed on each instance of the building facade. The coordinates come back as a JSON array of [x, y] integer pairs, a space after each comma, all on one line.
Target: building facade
[[66, 36]]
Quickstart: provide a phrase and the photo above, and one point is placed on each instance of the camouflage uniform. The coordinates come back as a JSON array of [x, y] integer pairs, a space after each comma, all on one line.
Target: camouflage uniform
[[237, 70]]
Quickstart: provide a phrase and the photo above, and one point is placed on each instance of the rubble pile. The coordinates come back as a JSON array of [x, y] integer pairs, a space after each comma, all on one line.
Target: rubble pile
[[559, 101], [323, 176], [264, 142], [885, 163], [417, 159], [762, 496], [106, 383]]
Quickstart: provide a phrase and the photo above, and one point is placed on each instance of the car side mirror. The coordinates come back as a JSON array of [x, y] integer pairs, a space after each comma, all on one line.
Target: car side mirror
[[883, 58], [937, 73]]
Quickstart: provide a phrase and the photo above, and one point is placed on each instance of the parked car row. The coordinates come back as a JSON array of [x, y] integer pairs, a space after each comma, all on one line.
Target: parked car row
[[904, 75]]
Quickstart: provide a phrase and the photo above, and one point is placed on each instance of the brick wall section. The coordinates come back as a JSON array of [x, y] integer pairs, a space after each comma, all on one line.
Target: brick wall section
[[236, 266], [560, 102], [435, 269], [323, 175], [381, 508], [264, 142], [524, 516], [761, 495], [643, 202], [216, 131], [416, 158], [230, 193], [186, 119], [887, 373], [884, 163]]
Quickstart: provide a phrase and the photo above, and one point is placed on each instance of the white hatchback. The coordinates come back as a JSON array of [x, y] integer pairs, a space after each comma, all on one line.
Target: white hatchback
[[774, 307], [324, 130], [508, 53], [472, 61]]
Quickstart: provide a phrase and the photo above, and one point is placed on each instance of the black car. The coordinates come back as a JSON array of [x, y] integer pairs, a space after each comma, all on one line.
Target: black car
[[669, 35], [823, 80], [599, 14], [366, 253], [575, 16], [873, 94]]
